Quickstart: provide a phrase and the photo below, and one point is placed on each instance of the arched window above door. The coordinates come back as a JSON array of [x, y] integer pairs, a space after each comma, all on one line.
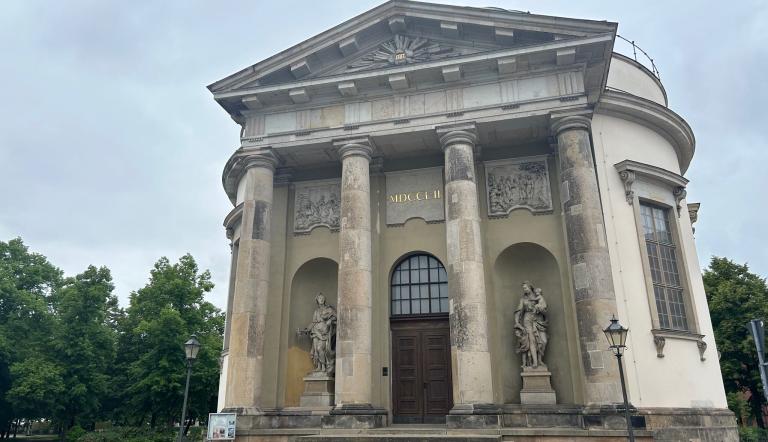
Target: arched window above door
[[419, 286]]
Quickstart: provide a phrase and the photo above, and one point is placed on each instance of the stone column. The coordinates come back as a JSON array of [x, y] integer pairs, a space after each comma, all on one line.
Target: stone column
[[249, 305], [353, 336], [471, 360], [588, 257]]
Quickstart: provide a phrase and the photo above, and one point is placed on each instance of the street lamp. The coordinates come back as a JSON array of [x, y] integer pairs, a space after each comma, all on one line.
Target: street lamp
[[191, 348], [617, 337]]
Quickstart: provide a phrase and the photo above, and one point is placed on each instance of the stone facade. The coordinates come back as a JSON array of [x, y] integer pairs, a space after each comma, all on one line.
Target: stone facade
[[434, 158]]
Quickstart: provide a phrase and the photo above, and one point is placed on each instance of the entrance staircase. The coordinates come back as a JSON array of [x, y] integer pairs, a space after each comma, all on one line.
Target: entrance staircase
[[399, 433]]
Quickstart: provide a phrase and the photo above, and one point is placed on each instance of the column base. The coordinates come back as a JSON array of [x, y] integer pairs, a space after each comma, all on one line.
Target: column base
[[474, 416], [242, 411], [357, 416]]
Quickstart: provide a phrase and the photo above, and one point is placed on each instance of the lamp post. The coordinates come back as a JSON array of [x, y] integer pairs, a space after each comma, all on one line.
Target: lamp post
[[191, 348], [617, 337]]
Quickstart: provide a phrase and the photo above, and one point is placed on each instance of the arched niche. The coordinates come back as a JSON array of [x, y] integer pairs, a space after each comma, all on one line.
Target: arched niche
[[316, 275], [516, 264]]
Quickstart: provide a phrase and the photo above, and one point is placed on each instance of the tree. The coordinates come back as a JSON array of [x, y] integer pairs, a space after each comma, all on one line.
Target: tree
[[736, 296], [160, 318], [27, 286], [37, 388], [83, 344]]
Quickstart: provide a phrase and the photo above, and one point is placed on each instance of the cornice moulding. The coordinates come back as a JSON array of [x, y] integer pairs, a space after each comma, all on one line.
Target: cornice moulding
[[233, 217], [463, 60], [648, 172], [664, 121]]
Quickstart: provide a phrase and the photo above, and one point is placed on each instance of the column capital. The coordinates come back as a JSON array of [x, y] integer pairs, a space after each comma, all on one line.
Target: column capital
[[362, 146], [465, 133], [570, 122], [283, 176], [266, 159]]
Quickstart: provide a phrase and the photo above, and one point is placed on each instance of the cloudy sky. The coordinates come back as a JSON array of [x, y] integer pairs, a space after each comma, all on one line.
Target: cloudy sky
[[111, 147]]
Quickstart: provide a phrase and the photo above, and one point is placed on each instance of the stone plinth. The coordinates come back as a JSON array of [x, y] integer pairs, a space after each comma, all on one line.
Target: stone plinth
[[318, 391], [537, 386]]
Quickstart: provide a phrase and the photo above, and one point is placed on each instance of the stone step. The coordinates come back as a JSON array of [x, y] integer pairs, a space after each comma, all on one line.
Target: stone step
[[399, 437]]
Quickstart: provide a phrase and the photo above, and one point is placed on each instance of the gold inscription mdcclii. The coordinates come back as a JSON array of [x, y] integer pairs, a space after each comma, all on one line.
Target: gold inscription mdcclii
[[415, 196]]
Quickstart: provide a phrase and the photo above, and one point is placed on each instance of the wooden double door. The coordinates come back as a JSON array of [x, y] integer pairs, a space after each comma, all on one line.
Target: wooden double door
[[421, 370]]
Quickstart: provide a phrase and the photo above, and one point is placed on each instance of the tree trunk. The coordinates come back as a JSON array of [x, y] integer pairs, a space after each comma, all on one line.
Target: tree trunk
[[756, 406], [189, 423]]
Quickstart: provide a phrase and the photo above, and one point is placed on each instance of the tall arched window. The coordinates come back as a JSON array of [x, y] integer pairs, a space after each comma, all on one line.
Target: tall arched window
[[419, 286]]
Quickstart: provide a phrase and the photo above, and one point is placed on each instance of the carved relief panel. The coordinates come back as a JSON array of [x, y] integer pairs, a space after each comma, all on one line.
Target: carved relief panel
[[316, 204], [521, 183]]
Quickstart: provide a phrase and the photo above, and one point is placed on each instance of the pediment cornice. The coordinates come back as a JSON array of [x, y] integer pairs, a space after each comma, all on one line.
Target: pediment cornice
[[488, 28], [355, 82]]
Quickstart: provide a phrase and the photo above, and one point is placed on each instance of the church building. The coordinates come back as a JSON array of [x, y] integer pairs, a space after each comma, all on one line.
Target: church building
[[437, 210]]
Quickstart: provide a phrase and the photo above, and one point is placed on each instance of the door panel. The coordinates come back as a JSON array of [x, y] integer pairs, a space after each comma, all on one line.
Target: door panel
[[407, 384], [421, 371]]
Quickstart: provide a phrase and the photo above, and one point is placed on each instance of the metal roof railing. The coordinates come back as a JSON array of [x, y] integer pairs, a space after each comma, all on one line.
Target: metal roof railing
[[648, 59]]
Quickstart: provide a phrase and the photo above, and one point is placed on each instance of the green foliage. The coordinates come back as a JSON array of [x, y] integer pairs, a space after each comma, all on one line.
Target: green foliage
[[27, 284], [739, 406], [753, 434], [83, 344], [75, 433], [736, 296], [162, 315], [69, 354], [37, 388], [129, 434]]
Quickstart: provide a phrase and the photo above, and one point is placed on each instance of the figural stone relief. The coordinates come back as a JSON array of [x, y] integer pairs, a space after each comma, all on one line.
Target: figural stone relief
[[515, 184], [316, 204]]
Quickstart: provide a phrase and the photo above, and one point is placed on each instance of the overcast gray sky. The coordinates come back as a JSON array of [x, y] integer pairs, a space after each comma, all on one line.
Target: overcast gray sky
[[111, 147]]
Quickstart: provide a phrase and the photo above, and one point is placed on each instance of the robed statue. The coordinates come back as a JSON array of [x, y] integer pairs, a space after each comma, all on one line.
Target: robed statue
[[531, 326], [322, 332]]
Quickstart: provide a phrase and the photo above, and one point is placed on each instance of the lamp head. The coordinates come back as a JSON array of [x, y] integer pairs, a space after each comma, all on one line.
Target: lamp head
[[191, 348], [617, 336]]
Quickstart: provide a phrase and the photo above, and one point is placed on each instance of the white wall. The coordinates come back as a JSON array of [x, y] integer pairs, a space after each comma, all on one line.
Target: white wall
[[652, 381], [222, 383], [240, 190], [626, 76]]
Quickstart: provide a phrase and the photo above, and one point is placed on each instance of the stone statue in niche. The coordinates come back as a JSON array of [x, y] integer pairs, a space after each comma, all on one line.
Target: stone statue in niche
[[531, 326], [317, 206], [322, 332], [531, 332], [518, 184]]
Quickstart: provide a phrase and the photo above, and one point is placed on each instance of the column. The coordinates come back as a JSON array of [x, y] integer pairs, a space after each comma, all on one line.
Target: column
[[249, 304], [353, 335], [588, 257], [472, 380]]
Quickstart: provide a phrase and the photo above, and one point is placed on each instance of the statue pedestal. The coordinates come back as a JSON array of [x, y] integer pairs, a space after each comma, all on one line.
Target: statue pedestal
[[537, 388], [318, 391]]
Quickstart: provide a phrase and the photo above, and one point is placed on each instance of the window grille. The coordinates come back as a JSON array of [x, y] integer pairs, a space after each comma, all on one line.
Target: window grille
[[662, 257], [419, 286]]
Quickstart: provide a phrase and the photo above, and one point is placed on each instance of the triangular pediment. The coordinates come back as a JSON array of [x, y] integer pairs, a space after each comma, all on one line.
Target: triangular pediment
[[397, 34]]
